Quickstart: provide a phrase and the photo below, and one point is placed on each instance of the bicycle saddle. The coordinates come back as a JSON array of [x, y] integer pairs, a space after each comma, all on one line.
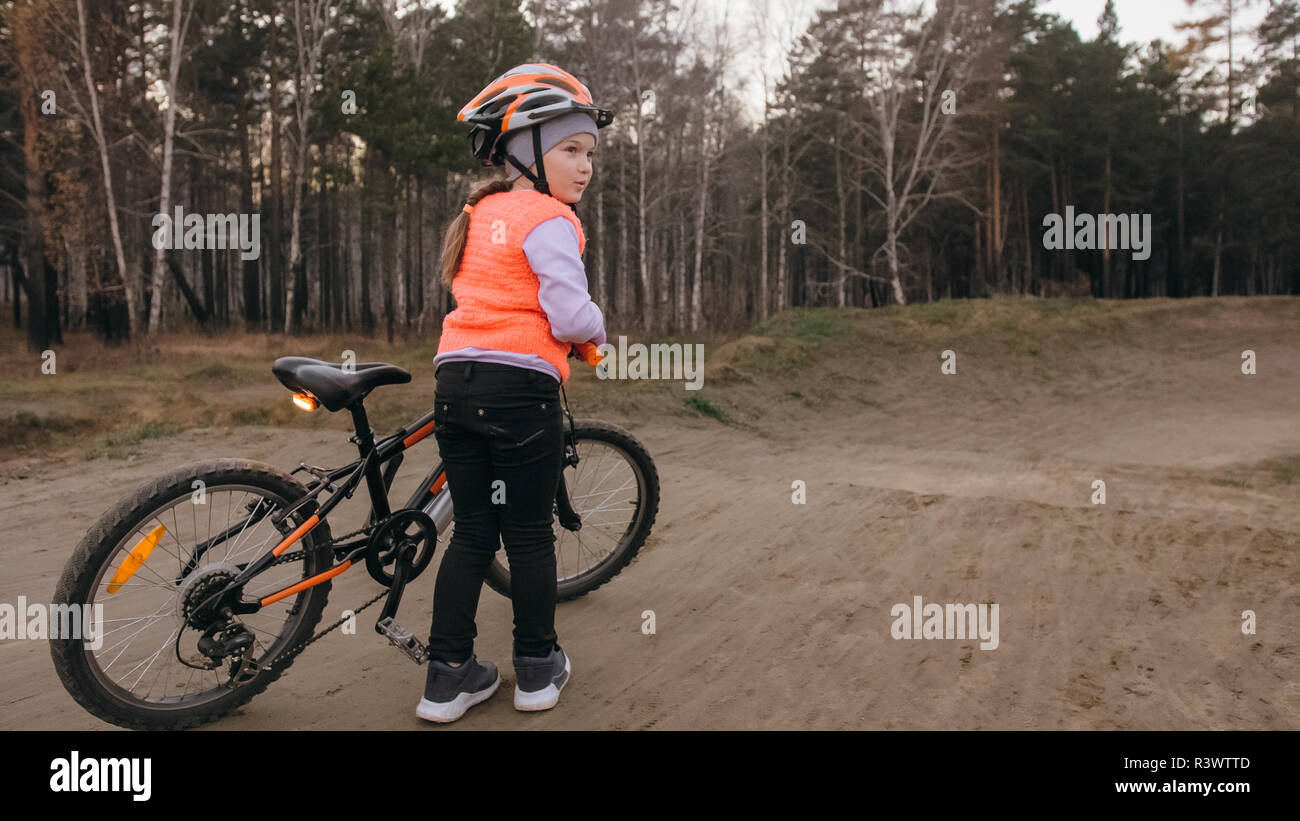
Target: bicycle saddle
[[334, 387]]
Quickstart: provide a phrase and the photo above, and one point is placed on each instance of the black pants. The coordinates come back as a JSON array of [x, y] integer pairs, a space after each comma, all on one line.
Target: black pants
[[499, 430]]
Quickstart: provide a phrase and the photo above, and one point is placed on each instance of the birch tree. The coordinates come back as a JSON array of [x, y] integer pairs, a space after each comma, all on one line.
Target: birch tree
[[176, 42], [712, 136], [311, 27], [96, 125], [765, 28], [917, 70]]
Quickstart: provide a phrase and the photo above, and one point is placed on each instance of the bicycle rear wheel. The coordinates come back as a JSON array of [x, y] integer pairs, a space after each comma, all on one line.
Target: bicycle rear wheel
[[153, 563]]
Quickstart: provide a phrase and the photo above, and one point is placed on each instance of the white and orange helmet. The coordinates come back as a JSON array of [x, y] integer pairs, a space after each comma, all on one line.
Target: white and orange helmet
[[524, 96]]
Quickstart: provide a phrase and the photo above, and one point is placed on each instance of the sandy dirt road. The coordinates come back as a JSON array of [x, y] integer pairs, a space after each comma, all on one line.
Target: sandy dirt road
[[774, 615]]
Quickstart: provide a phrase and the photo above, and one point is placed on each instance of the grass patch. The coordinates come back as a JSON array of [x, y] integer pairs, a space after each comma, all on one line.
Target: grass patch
[[25, 429], [809, 324], [704, 407], [1285, 471], [1019, 339], [1014, 327], [1048, 308], [779, 358], [137, 433], [1231, 481], [250, 416], [946, 312], [220, 373]]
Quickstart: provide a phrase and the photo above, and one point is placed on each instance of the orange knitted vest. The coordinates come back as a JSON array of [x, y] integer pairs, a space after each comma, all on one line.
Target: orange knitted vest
[[496, 289]]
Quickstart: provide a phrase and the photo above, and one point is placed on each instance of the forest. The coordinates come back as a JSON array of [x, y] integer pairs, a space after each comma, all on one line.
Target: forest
[[902, 152]]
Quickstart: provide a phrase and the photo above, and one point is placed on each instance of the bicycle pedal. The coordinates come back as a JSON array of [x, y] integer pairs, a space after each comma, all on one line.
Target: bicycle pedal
[[403, 640]]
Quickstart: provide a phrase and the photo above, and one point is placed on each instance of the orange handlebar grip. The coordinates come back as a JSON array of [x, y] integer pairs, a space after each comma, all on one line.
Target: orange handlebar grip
[[589, 353]]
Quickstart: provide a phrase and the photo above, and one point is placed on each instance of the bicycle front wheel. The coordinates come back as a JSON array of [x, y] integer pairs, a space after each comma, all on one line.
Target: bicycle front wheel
[[615, 490]]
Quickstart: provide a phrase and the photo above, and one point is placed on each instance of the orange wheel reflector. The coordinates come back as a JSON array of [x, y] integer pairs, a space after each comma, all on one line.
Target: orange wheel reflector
[[133, 562]]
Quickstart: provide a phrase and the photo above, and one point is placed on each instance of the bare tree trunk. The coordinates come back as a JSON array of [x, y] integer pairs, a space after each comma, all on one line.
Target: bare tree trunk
[[891, 254], [706, 156], [1026, 282], [622, 286], [251, 285], [39, 335], [345, 217], [649, 297], [309, 43], [325, 275], [387, 259], [275, 296], [763, 218], [76, 295], [841, 207], [367, 239], [418, 296], [97, 129], [402, 223], [929, 274], [1106, 289], [782, 251], [1180, 282], [998, 230], [680, 268], [1218, 251], [295, 228], [892, 220], [177, 44], [338, 263], [205, 202]]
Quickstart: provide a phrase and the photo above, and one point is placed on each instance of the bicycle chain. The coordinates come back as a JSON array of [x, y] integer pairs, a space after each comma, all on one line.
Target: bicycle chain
[[282, 661]]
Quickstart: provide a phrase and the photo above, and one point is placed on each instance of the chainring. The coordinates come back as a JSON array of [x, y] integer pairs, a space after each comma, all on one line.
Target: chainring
[[395, 532]]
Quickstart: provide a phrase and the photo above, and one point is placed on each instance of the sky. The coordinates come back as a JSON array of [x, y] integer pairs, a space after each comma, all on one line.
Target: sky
[[1139, 21], [1145, 20]]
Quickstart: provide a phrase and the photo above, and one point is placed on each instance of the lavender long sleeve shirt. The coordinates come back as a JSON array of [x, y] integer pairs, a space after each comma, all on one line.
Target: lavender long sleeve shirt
[[552, 251]]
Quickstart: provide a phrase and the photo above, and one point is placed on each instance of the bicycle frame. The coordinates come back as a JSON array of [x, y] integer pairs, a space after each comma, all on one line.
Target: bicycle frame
[[373, 455], [388, 452]]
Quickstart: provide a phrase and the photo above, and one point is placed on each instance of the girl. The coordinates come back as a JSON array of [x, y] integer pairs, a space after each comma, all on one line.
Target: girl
[[512, 260]]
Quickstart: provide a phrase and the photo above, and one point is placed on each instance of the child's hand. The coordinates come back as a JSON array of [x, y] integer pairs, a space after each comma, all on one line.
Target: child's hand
[[585, 351]]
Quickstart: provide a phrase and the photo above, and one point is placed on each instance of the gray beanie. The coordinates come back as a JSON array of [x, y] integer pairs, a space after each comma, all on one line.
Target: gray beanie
[[520, 144]]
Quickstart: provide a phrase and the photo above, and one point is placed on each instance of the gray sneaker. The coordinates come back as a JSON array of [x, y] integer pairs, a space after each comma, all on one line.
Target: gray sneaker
[[540, 680], [450, 691]]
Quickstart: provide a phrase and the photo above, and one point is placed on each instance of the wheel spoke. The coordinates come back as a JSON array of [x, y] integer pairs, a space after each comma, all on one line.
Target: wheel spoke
[[608, 506]]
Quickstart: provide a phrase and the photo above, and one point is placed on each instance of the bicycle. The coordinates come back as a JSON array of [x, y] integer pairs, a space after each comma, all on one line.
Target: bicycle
[[244, 605]]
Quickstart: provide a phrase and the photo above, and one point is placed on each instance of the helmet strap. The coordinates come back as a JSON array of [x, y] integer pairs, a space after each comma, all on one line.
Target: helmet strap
[[540, 183], [538, 179]]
